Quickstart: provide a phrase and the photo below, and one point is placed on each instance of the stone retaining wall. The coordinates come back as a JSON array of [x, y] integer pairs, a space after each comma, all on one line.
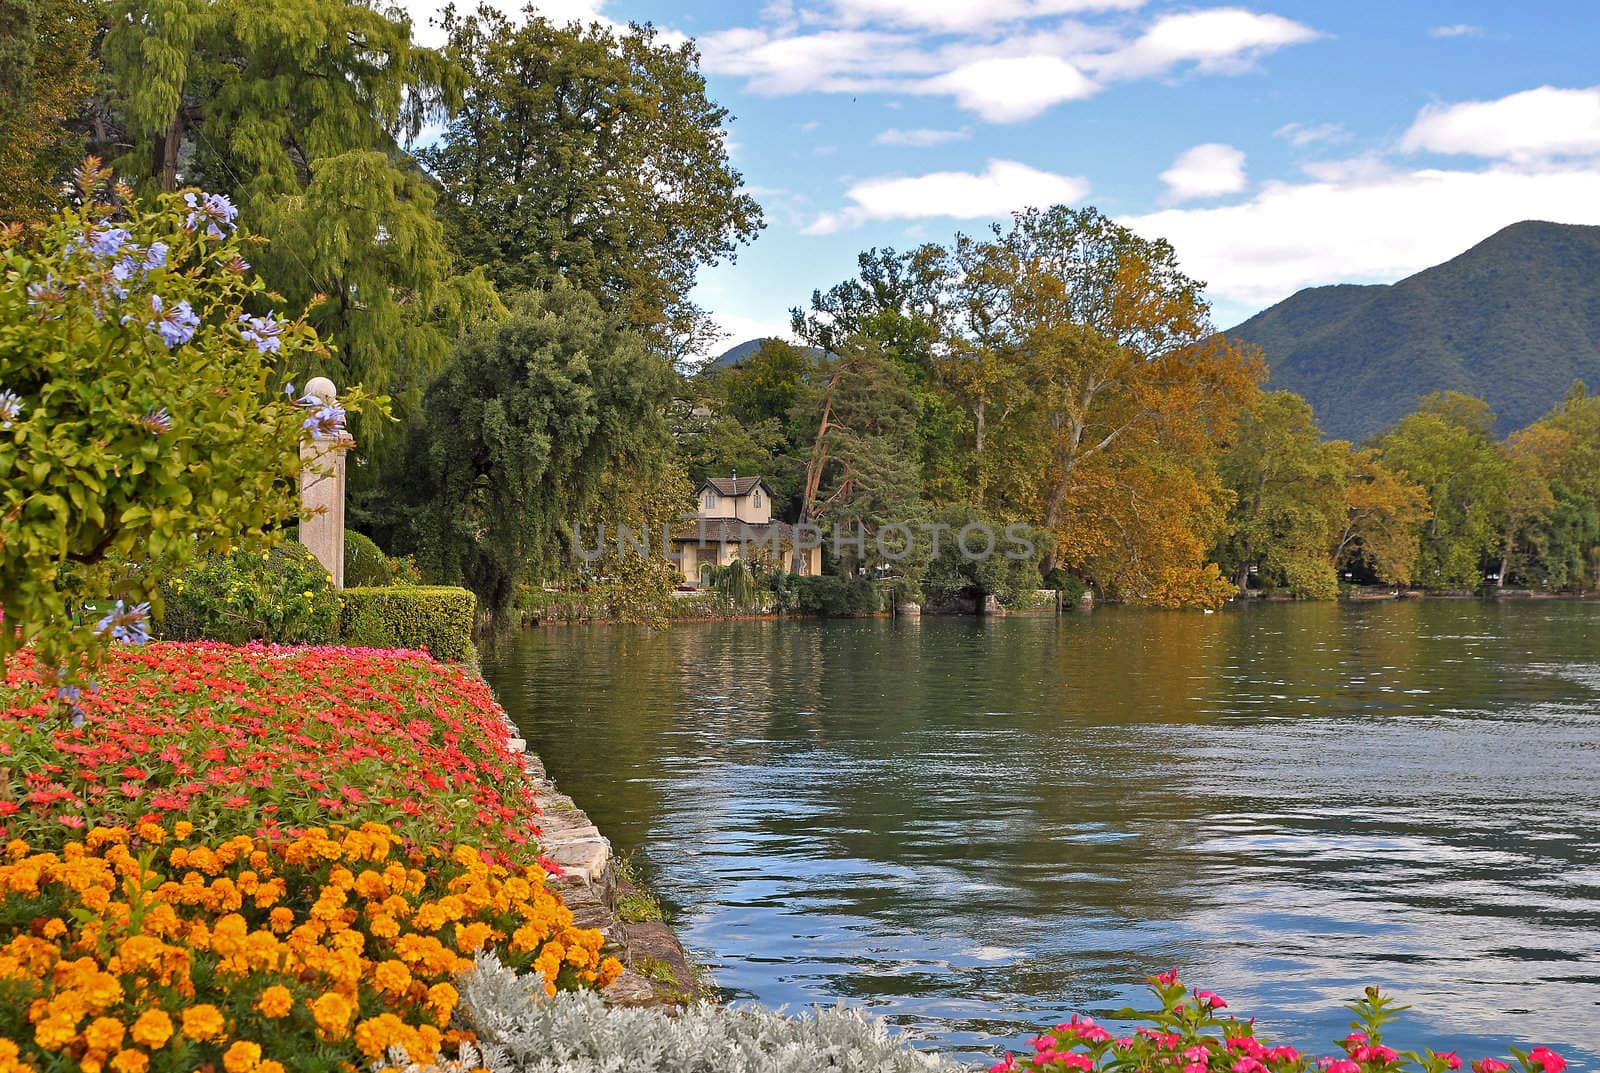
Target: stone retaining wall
[[658, 972]]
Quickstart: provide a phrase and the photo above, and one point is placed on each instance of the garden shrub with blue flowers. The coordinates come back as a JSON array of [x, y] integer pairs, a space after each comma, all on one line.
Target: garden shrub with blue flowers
[[142, 416]]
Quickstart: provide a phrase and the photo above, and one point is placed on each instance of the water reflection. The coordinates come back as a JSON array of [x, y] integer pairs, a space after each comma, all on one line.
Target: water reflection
[[975, 828]]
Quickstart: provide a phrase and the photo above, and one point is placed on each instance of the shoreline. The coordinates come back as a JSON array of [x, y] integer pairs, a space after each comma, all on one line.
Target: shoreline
[[657, 971]]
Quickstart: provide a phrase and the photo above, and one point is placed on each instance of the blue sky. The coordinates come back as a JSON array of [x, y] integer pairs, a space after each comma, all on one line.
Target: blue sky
[[1277, 145]]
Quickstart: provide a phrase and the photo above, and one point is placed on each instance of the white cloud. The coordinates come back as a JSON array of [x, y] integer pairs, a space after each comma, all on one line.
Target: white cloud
[[1005, 71], [1226, 40], [1206, 171], [1011, 90], [921, 138], [1459, 29], [948, 16], [1302, 134], [1363, 223], [1003, 187], [1536, 124]]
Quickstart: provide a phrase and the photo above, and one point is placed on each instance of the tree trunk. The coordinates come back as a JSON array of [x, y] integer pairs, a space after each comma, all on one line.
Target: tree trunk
[[169, 152]]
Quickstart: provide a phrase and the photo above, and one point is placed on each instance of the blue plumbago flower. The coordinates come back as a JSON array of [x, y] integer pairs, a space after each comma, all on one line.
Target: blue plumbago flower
[[129, 625], [48, 292], [326, 421], [106, 243], [70, 694], [262, 331], [155, 257], [175, 324], [156, 421], [10, 408], [210, 210], [288, 389]]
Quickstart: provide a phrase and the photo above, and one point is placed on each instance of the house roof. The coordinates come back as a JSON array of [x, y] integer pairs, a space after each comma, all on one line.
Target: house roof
[[734, 486], [734, 531]]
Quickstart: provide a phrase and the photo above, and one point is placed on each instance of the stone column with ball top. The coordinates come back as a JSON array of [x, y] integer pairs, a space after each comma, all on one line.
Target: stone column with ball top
[[322, 465]]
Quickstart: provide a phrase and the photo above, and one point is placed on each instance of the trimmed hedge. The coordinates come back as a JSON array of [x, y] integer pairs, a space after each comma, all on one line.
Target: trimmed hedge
[[437, 618], [365, 565]]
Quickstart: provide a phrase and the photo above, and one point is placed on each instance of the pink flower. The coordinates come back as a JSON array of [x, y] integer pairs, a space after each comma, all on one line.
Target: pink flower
[[1450, 1059], [1247, 1065], [1007, 1064], [1124, 1042], [1356, 1037], [1075, 1060], [1283, 1054], [1165, 979], [1490, 1065], [1342, 1065], [1210, 999], [1375, 1052], [1197, 1053], [1550, 1060], [1194, 1067]]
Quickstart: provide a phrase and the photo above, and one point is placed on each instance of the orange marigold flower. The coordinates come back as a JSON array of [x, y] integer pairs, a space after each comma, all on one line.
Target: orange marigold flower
[[281, 919], [104, 1034], [332, 1014], [183, 829], [270, 1066], [152, 1029], [202, 1022], [242, 1057], [130, 1061], [391, 976], [276, 1001], [151, 833]]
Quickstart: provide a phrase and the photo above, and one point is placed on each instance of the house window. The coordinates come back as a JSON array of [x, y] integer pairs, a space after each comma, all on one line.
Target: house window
[[711, 498], [755, 499]]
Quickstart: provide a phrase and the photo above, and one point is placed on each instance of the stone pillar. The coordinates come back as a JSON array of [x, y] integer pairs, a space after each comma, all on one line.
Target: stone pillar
[[322, 462]]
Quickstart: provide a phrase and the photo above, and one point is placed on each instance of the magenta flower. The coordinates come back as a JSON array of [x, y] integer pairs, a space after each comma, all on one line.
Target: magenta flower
[[1550, 1060], [1210, 999], [1450, 1059], [1490, 1065]]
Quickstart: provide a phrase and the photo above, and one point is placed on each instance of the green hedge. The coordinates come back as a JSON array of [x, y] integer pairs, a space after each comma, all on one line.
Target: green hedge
[[365, 565], [831, 597], [438, 618]]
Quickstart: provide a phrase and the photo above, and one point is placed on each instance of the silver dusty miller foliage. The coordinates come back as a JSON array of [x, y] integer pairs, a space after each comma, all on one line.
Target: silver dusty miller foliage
[[521, 1031]]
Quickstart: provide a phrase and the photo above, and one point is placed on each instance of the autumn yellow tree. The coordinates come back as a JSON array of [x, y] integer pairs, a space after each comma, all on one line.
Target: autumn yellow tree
[[1383, 515], [1113, 390]]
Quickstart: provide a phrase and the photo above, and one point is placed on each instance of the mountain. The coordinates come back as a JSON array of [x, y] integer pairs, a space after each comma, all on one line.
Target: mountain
[[737, 353], [1514, 320]]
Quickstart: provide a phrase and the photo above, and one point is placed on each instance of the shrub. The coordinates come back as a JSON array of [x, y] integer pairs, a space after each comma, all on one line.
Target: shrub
[[263, 740], [365, 565], [831, 597], [141, 416], [1189, 1032], [151, 949], [282, 594], [437, 618], [576, 1033]]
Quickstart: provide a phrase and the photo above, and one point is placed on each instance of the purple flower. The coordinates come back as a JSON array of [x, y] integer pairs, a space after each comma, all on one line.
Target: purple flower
[[155, 257], [210, 210], [156, 421], [176, 324], [46, 292], [288, 389], [129, 625], [264, 332], [326, 421], [106, 243], [10, 408]]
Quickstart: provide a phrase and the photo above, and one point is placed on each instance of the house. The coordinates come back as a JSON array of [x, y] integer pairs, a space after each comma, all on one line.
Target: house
[[733, 520]]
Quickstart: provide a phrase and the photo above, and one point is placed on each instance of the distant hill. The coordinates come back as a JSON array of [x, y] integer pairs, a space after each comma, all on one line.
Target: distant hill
[[735, 354], [1513, 320]]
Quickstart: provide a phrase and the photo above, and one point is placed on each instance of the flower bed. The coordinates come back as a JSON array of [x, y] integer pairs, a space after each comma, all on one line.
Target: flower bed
[[156, 950], [261, 740]]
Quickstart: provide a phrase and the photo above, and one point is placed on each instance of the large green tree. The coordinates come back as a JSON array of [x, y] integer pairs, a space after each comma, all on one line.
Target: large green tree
[[593, 156], [295, 109], [515, 441], [1445, 447]]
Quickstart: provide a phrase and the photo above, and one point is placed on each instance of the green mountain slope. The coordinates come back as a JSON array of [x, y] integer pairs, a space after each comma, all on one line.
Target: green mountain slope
[[1514, 320]]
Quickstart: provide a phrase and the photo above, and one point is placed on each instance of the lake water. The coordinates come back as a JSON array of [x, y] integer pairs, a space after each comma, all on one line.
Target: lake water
[[976, 827]]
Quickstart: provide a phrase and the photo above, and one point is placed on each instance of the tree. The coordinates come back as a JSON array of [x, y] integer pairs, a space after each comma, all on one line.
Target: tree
[[1383, 516], [1563, 549], [766, 385], [1445, 448], [594, 157], [141, 416], [514, 442], [294, 109], [862, 475], [1289, 499], [46, 73], [1115, 390], [1533, 458]]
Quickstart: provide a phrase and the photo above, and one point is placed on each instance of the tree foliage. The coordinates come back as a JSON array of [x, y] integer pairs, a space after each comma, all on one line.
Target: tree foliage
[[515, 441], [46, 78], [592, 156]]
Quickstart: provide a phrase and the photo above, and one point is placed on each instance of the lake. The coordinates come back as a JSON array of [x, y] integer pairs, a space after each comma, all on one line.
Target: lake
[[975, 827]]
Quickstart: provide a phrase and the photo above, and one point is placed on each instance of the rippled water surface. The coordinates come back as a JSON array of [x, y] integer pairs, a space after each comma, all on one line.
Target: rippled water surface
[[976, 827]]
